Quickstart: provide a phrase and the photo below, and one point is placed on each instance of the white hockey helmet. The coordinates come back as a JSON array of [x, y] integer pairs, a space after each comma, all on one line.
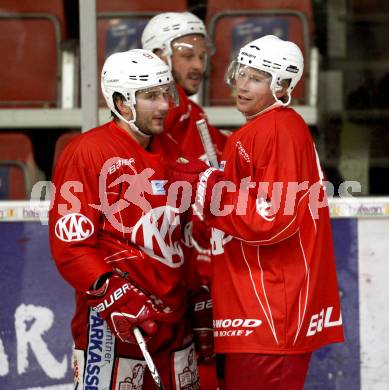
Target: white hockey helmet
[[283, 60], [131, 71], [163, 28]]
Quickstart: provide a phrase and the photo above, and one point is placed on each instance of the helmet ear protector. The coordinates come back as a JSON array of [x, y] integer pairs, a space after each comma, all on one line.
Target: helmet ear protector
[[278, 88]]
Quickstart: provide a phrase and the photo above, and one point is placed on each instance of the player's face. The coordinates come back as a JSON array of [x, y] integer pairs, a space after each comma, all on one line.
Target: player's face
[[189, 59], [151, 107], [253, 93]]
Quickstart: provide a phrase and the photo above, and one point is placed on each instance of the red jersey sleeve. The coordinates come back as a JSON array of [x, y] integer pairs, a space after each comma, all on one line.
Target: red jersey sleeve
[[268, 158], [74, 218]]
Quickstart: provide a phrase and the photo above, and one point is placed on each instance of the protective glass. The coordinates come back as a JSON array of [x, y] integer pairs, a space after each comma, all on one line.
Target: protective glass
[[195, 45], [162, 93], [237, 72]]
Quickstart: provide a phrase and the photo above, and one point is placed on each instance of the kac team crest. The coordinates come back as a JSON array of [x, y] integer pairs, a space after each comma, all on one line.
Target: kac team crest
[[74, 227]]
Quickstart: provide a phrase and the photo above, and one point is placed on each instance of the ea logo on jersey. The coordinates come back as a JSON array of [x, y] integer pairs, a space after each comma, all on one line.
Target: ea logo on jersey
[[74, 227]]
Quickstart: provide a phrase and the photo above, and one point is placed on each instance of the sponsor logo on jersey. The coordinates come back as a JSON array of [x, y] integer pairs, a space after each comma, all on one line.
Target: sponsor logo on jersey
[[241, 327], [129, 162], [74, 227], [158, 187], [323, 320], [242, 151], [264, 209], [157, 230], [100, 354]]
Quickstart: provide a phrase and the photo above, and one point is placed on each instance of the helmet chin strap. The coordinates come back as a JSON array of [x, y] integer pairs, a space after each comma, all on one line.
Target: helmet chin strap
[[277, 103], [281, 102], [138, 130], [273, 86]]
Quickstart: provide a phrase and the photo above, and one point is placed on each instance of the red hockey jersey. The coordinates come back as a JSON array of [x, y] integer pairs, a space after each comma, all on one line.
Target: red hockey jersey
[[111, 210], [274, 279]]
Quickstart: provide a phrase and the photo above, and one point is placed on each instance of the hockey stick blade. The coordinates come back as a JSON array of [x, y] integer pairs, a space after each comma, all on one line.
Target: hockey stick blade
[[149, 361], [207, 143]]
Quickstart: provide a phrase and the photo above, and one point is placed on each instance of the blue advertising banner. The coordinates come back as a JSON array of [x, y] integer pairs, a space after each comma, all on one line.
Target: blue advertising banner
[[337, 366], [37, 306]]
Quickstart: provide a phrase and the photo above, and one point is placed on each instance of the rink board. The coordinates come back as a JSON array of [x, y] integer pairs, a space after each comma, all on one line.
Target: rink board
[[37, 305]]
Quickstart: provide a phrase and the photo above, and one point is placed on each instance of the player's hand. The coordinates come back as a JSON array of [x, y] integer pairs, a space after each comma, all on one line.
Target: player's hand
[[201, 311], [124, 306], [202, 179], [208, 195], [189, 171]]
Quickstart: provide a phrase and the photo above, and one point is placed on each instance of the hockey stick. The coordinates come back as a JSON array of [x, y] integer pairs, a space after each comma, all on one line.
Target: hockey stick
[[149, 361], [207, 143]]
